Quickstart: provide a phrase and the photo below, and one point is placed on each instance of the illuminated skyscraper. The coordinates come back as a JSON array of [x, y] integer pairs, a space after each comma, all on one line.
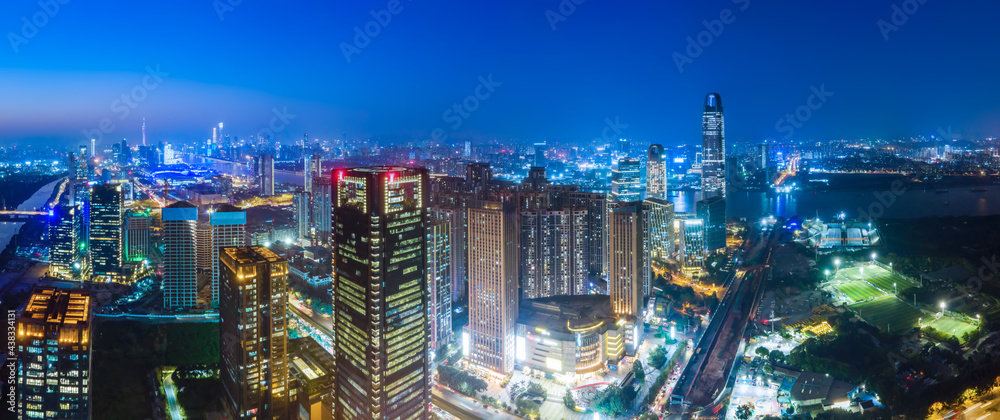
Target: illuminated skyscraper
[[628, 268], [692, 242], [380, 293], [493, 275], [478, 176], [301, 208], [253, 361], [439, 282], [456, 221], [139, 226], [64, 241], [553, 252], [313, 169], [53, 351], [265, 173], [229, 226], [540, 155], [660, 226], [322, 214], [656, 173], [625, 185], [597, 208], [204, 242], [180, 255], [713, 174], [107, 225]]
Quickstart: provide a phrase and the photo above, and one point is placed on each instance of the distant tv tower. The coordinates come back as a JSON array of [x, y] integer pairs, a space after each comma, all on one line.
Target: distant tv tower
[[143, 131]]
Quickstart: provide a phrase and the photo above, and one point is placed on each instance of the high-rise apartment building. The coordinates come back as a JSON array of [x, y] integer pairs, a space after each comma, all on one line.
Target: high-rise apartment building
[[660, 225], [553, 252], [380, 293], [229, 225], [625, 187], [628, 268], [656, 172], [107, 225], [180, 255], [313, 169], [597, 207], [713, 212], [64, 241], [540, 155], [713, 174], [301, 209], [458, 235], [253, 361], [691, 238], [53, 350], [439, 282], [478, 176], [493, 296], [265, 173], [204, 243]]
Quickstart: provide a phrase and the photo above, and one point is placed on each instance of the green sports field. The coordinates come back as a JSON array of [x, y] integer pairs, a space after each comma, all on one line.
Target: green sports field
[[952, 326], [867, 282], [889, 314]]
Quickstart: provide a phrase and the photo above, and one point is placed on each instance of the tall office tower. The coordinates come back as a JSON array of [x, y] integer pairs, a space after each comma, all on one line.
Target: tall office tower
[[379, 292], [625, 186], [660, 225], [64, 241], [628, 269], [266, 174], [493, 274], [691, 238], [301, 207], [478, 176], [467, 153], [107, 221], [656, 173], [553, 252], [53, 351], [713, 212], [322, 202], [313, 169], [439, 282], [540, 155], [204, 242], [456, 221], [229, 228], [253, 361], [713, 173], [82, 162], [139, 225], [597, 207], [93, 148], [623, 147], [180, 255]]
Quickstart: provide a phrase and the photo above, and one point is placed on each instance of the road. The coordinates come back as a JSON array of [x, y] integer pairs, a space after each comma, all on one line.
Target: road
[[172, 406], [981, 410], [465, 408], [325, 324]]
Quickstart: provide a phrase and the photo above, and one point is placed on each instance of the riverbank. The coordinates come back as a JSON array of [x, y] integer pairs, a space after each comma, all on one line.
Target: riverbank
[[10, 232]]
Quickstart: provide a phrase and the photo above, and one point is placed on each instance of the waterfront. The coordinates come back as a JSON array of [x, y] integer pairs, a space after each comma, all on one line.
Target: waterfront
[[35, 202]]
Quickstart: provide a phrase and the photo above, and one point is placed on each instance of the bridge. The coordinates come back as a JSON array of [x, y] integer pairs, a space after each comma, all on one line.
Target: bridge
[[21, 215]]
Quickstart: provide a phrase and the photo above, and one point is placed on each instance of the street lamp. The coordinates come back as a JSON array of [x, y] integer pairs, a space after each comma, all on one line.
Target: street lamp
[[894, 288], [836, 264], [827, 273], [873, 258]]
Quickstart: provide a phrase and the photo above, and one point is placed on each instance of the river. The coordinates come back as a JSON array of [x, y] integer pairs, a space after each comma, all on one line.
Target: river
[[35, 202]]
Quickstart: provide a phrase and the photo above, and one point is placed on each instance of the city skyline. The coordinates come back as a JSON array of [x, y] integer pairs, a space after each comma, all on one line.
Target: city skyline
[[570, 96]]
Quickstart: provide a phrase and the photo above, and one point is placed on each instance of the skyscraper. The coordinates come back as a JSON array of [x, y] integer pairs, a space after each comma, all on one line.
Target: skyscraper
[[713, 212], [493, 274], [597, 206], [204, 241], [553, 252], [301, 208], [180, 255], [107, 222], [628, 268], [53, 351], [64, 241], [478, 176], [138, 225], [692, 242], [379, 291], [456, 221], [313, 169], [660, 225], [540, 155], [266, 175], [253, 361], [439, 282], [322, 202], [713, 174], [625, 186], [229, 226], [656, 173]]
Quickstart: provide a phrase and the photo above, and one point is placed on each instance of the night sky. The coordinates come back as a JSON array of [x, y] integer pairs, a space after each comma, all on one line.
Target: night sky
[[604, 60]]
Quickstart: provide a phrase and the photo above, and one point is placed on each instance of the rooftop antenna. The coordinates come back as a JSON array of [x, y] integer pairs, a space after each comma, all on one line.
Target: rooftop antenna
[[144, 131]]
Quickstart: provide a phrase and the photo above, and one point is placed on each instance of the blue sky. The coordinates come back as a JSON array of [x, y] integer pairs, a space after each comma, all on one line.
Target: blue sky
[[603, 60]]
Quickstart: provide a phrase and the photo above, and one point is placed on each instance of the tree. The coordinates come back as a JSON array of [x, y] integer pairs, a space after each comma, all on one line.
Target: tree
[[640, 375], [516, 389], [609, 401], [528, 407], [776, 355], [461, 381], [762, 352], [744, 412], [537, 390], [657, 357], [569, 401]]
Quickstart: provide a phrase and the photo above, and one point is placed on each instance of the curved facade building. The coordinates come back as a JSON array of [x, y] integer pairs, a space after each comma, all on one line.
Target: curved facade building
[[656, 172]]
